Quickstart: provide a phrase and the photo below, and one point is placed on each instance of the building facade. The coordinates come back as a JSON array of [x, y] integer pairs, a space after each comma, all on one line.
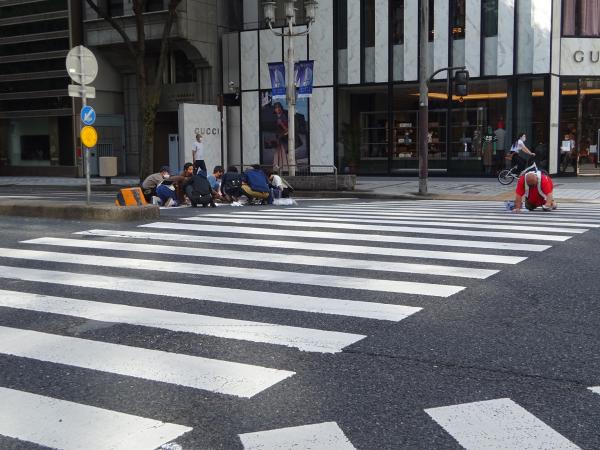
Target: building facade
[[36, 114], [534, 67]]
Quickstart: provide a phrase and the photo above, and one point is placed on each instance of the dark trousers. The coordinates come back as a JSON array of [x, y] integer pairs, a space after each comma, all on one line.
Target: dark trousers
[[200, 164]]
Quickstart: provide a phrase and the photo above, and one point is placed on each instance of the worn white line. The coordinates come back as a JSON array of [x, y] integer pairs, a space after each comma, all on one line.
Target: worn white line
[[595, 389], [306, 245], [320, 305], [418, 215], [55, 423], [394, 229], [497, 424], [306, 339], [213, 375], [319, 436], [404, 221], [349, 236], [282, 258], [272, 276]]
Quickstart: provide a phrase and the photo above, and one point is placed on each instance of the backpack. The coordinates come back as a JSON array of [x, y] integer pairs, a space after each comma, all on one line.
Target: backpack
[[232, 181]]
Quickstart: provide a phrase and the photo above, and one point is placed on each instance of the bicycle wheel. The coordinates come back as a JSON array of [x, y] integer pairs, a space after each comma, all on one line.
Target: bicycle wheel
[[505, 177]]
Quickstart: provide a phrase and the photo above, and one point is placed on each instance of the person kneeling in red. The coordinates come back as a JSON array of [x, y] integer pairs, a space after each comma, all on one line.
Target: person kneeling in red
[[536, 189]]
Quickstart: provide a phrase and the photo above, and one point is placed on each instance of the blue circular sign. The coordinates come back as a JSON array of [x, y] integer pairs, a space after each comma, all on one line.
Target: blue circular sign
[[88, 115]]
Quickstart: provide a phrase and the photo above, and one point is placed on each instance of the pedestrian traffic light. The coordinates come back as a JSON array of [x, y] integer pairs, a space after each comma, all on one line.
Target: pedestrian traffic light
[[461, 83]]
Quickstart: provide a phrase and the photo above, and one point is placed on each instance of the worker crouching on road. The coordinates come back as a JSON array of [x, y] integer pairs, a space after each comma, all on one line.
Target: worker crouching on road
[[535, 189]]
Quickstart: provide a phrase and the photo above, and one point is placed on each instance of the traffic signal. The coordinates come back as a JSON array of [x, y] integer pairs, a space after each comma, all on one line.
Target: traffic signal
[[461, 83]]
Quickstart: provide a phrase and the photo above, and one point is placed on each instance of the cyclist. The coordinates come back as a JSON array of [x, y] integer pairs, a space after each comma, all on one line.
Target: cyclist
[[521, 154], [536, 189]]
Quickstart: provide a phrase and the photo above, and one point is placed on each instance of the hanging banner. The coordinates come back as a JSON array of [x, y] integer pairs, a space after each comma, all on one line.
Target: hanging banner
[[304, 78], [277, 73]]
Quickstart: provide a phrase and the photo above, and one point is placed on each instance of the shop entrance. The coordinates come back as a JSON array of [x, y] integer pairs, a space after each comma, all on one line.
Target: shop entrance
[[580, 126]]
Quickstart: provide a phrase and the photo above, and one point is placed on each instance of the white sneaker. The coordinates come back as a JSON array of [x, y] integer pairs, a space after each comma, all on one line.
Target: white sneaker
[[155, 200], [169, 202]]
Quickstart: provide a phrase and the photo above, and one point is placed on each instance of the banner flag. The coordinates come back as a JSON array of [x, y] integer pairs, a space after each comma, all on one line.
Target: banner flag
[[304, 78], [277, 73]]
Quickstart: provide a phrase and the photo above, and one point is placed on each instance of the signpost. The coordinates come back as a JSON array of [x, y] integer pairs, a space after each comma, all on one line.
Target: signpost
[[82, 67]]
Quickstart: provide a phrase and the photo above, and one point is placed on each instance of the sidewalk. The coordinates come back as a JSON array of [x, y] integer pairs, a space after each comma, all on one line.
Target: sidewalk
[[566, 189]]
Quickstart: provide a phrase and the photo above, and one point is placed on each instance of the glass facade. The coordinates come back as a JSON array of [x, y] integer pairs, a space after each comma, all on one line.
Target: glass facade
[[36, 113]]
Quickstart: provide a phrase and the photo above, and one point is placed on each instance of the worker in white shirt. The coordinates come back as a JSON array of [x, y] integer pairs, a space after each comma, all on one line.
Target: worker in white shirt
[[198, 154]]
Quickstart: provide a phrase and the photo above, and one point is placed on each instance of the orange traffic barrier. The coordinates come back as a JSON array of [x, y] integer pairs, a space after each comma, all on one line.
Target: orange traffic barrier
[[130, 197]]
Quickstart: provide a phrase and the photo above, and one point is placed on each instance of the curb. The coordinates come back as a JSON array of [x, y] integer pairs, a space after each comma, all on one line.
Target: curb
[[78, 210]]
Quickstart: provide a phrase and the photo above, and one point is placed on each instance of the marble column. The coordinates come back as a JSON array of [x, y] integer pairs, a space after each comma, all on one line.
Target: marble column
[[271, 50], [473, 37], [250, 127], [381, 40], [555, 40], [249, 60], [541, 15], [524, 46], [553, 149], [411, 40], [320, 41], [321, 126], [506, 36], [354, 44], [441, 13]]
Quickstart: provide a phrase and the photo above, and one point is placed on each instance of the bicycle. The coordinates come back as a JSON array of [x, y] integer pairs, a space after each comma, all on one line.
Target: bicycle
[[507, 176]]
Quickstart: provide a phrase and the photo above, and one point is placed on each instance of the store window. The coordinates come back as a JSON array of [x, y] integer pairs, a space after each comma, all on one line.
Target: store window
[[475, 119], [581, 18], [579, 124], [458, 19], [489, 12], [532, 116], [115, 7]]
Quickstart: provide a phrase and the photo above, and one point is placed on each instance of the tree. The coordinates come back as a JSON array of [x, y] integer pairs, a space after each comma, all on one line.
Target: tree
[[148, 76]]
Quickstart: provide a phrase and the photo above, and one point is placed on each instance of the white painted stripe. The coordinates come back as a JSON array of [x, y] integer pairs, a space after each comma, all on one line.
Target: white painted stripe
[[420, 215], [320, 305], [305, 339], [497, 424], [335, 218], [352, 227], [304, 245], [272, 276], [66, 425], [593, 207], [595, 389], [351, 237], [282, 258], [559, 212], [223, 377], [319, 436]]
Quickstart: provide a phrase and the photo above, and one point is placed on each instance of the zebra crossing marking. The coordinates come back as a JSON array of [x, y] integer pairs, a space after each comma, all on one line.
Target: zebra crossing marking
[[334, 218], [306, 339], [212, 375], [595, 389], [291, 302], [497, 424], [350, 236], [272, 276], [395, 229], [312, 246], [282, 258], [456, 216], [55, 423], [319, 436]]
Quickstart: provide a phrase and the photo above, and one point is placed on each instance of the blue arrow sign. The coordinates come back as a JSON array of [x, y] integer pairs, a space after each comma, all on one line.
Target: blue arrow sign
[[88, 115]]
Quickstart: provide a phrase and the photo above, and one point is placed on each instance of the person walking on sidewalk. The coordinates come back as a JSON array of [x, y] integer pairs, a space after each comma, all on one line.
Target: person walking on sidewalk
[[536, 189], [198, 154]]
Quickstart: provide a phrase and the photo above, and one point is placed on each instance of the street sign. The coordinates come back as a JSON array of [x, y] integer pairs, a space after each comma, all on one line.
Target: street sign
[[88, 115], [89, 136], [77, 90], [82, 65]]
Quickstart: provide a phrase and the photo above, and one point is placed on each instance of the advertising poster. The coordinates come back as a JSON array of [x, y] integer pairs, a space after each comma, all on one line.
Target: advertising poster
[[277, 74], [304, 78], [274, 135]]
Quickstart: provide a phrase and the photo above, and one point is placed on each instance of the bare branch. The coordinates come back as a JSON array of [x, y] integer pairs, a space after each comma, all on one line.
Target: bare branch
[[116, 25], [164, 44]]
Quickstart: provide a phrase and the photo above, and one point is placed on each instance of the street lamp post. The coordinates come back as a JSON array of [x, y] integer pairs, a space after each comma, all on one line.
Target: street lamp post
[[310, 7]]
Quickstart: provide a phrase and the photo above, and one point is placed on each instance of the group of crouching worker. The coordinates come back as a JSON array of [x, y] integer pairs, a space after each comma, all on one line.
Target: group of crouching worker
[[193, 186]]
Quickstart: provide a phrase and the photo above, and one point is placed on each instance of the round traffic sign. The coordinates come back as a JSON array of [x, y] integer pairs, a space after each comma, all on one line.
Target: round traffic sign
[[89, 136], [82, 65], [88, 115]]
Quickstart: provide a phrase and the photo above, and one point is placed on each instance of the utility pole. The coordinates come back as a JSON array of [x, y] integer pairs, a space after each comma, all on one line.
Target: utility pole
[[423, 94]]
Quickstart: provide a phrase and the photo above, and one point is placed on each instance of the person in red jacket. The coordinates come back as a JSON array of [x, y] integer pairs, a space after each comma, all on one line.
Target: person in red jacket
[[536, 189]]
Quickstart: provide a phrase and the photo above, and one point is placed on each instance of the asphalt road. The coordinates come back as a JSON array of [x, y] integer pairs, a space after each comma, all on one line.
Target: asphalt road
[[528, 333]]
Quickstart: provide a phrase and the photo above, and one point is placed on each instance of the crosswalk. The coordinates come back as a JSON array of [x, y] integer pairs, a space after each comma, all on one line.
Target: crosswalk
[[367, 262]]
